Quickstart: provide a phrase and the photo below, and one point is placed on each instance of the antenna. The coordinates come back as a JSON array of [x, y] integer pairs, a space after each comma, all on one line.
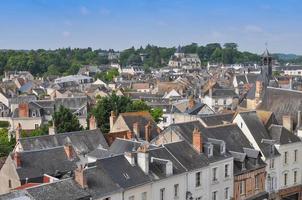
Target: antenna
[[266, 45]]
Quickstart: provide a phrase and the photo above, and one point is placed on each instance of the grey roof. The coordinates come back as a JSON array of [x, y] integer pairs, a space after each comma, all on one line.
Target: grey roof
[[66, 189], [186, 155], [217, 119], [100, 153], [16, 195], [82, 141], [282, 136], [224, 93], [122, 173], [258, 131], [54, 162], [282, 102], [26, 87], [120, 146]]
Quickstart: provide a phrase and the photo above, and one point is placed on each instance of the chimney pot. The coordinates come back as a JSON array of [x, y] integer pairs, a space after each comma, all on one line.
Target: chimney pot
[[18, 132], [80, 177], [136, 129], [148, 132], [23, 110], [69, 151], [17, 159], [112, 119], [92, 123]]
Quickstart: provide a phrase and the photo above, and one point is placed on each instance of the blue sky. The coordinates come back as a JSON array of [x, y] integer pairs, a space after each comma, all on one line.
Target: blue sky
[[119, 24]]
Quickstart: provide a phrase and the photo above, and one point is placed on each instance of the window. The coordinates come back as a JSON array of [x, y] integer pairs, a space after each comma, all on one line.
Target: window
[[224, 102], [214, 195], [144, 196], [197, 179], [257, 178], [295, 155], [285, 179], [176, 187], [285, 157], [214, 175], [9, 183], [198, 198], [295, 176], [36, 126], [108, 198], [131, 197], [226, 193], [241, 124], [162, 194], [226, 171], [242, 187], [164, 119], [272, 163]]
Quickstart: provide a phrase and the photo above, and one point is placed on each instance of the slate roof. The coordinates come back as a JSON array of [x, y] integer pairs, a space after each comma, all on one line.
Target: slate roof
[[16, 195], [217, 119], [282, 102], [120, 146], [282, 136], [83, 142], [66, 189], [100, 153], [122, 173], [186, 155], [142, 118], [34, 164], [258, 131], [224, 93], [157, 170]]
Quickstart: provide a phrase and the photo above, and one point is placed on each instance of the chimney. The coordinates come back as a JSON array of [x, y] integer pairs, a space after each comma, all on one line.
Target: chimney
[[136, 129], [52, 130], [191, 103], [258, 90], [79, 176], [17, 159], [143, 158], [69, 151], [299, 119], [169, 168], [92, 123], [197, 140], [129, 135], [130, 157], [148, 132], [18, 132], [210, 92], [23, 110], [288, 122], [112, 119]]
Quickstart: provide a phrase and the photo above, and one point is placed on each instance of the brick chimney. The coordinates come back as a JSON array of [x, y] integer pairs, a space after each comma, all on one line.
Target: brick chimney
[[288, 122], [191, 103], [136, 129], [148, 132], [68, 150], [129, 135], [18, 132], [17, 159], [92, 123], [258, 90], [112, 119], [197, 140], [23, 110], [79, 176]]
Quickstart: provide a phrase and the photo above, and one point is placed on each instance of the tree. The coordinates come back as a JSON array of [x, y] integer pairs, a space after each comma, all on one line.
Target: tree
[[157, 114], [6, 145], [65, 121]]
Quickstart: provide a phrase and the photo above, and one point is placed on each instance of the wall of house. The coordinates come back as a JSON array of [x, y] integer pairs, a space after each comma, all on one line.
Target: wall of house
[[8, 172], [249, 179], [26, 123], [115, 196], [222, 182], [203, 189], [168, 185], [137, 192]]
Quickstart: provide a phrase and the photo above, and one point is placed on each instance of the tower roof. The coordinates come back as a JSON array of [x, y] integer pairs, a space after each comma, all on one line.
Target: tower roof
[[179, 49], [266, 54]]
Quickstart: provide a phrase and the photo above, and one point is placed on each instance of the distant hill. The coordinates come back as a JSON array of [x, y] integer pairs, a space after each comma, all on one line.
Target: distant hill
[[286, 57]]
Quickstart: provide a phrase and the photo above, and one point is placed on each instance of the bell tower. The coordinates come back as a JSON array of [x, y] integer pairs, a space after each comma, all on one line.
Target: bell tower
[[267, 63]]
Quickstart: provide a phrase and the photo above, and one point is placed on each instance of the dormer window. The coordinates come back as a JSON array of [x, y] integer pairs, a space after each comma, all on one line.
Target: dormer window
[[243, 166], [210, 150], [222, 148], [34, 114]]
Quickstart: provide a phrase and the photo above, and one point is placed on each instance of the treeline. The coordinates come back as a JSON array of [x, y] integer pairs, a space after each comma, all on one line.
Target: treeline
[[68, 61]]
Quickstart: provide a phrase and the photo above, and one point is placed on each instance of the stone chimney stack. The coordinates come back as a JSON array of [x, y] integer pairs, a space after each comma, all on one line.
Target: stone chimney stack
[[148, 132], [191, 103], [69, 151], [17, 159], [197, 140], [18, 132], [288, 122], [136, 129], [23, 110], [79, 176], [92, 123], [112, 119], [258, 90], [143, 158]]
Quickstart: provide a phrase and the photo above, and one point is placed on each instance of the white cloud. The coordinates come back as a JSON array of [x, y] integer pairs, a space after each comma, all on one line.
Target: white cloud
[[66, 34], [84, 10], [253, 29]]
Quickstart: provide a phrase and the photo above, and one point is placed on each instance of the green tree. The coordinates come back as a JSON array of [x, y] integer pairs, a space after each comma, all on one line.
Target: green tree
[[6, 146], [65, 121], [157, 114]]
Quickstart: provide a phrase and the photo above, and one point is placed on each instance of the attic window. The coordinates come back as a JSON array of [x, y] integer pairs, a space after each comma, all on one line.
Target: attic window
[[126, 176]]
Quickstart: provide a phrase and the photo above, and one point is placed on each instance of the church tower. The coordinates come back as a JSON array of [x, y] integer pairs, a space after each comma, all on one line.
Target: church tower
[[267, 63]]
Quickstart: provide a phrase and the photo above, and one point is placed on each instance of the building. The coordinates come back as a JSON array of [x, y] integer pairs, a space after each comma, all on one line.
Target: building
[[183, 60]]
